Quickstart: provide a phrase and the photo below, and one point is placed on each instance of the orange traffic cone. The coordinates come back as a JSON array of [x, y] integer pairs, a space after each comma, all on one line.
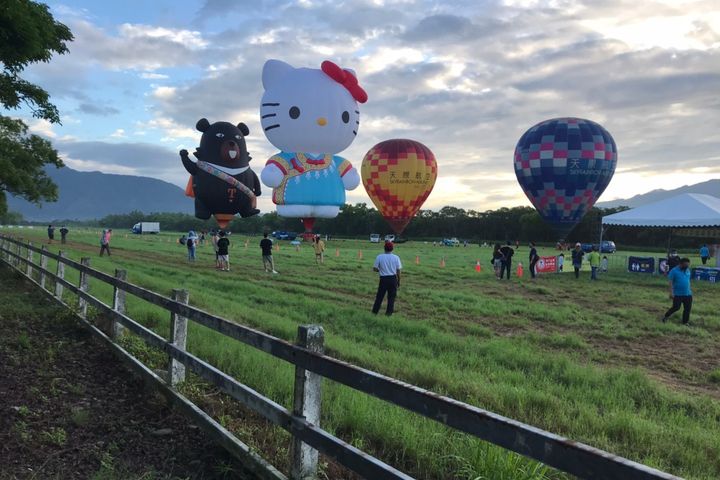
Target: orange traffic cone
[[520, 270], [478, 267], [359, 254], [337, 252], [442, 262], [417, 259]]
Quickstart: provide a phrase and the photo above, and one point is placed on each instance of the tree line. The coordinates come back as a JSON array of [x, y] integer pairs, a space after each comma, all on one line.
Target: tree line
[[521, 224]]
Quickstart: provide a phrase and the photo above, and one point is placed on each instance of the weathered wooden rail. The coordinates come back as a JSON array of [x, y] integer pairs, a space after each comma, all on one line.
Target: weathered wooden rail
[[311, 364]]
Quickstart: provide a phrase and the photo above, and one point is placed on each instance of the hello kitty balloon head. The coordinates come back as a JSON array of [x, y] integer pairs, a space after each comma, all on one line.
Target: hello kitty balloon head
[[308, 109]]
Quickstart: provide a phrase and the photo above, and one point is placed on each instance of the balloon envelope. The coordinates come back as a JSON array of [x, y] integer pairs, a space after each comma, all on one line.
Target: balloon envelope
[[564, 165], [398, 175]]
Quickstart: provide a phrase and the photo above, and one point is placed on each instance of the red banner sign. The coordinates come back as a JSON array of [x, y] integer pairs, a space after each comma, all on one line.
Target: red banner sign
[[546, 265]]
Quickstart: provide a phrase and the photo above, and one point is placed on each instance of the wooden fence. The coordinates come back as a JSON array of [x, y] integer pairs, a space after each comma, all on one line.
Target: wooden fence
[[311, 365]]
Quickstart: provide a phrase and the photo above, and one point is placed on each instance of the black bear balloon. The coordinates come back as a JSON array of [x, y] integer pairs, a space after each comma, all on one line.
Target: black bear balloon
[[222, 182]]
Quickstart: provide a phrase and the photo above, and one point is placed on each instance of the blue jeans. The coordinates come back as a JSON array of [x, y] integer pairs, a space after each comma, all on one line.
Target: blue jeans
[[593, 273], [191, 253]]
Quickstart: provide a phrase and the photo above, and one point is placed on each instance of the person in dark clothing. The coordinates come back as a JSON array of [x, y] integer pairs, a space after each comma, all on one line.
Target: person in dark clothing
[[51, 233], [497, 260], [577, 258], [673, 260], [63, 234], [223, 245], [508, 253], [388, 265], [266, 246], [680, 292], [534, 258]]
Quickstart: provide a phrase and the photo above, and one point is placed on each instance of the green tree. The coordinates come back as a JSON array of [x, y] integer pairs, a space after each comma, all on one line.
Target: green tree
[[28, 34]]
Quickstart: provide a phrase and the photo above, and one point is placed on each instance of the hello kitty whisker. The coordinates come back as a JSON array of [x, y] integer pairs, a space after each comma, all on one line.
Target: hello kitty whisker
[[273, 105], [269, 115], [272, 126]]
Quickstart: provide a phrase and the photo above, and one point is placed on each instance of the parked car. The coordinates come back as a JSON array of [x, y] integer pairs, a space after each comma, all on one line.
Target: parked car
[[374, 238], [451, 242], [283, 235], [390, 238], [608, 246]]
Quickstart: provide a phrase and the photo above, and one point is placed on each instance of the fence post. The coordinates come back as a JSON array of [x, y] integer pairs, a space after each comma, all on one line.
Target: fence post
[[43, 267], [61, 275], [116, 329], [178, 337], [18, 253], [29, 256], [306, 403], [83, 285]]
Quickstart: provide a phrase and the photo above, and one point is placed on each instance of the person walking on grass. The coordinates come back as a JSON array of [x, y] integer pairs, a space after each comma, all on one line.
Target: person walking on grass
[[215, 237], [63, 234], [560, 262], [680, 293], [577, 258], [319, 247], [704, 254], [506, 264], [534, 258], [594, 260], [388, 266], [266, 246], [497, 260], [105, 241], [51, 233], [223, 245], [604, 264]]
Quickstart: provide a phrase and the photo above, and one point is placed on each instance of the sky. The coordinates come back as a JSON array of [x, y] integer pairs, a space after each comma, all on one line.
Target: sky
[[465, 77]]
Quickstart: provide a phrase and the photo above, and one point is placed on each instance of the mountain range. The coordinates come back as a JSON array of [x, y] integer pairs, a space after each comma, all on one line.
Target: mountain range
[[93, 195], [710, 187]]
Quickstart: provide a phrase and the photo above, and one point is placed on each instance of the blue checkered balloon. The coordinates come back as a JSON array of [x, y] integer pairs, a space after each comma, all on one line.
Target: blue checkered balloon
[[564, 165]]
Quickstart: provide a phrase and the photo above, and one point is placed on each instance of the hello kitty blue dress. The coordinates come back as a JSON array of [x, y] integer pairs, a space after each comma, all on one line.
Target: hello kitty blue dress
[[310, 180]]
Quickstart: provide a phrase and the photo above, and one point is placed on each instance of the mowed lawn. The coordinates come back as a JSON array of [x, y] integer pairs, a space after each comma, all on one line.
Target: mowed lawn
[[588, 360]]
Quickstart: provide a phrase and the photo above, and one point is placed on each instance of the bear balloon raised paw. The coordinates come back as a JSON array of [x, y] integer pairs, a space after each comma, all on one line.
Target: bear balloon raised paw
[[221, 179]]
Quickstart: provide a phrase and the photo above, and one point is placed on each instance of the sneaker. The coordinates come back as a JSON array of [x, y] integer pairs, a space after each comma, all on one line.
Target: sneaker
[[275, 272]]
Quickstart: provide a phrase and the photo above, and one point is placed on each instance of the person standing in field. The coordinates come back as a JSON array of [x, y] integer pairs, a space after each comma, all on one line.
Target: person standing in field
[[604, 264], [534, 258], [190, 244], [105, 242], [63, 234], [594, 259], [560, 262], [704, 254], [497, 260], [388, 266], [507, 252], [223, 245], [680, 293], [319, 247], [215, 237], [266, 246], [673, 260], [51, 233], [577, 258]]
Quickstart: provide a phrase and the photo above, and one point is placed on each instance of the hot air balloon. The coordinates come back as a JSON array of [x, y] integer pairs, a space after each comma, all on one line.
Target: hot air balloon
[[564, 165], [398, 175]]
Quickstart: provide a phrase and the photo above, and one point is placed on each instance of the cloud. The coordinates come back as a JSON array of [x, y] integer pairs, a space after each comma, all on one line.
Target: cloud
[[119, 133], [95, 109]]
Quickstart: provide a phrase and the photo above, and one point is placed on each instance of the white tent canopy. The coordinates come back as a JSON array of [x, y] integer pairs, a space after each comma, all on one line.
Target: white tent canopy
[[687, 210]]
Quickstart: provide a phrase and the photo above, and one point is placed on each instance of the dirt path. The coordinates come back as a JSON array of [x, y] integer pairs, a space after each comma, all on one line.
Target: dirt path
[[69, 410]]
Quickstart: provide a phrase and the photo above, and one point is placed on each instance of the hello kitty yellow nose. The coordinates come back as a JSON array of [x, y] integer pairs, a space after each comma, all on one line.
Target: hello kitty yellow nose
[[322, 121]]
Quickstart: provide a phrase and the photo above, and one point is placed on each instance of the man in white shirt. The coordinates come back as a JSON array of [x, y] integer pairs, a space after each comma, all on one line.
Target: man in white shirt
[[388, 265]]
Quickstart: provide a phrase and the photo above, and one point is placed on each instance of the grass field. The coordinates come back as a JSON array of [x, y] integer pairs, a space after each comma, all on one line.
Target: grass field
[[587, 360]]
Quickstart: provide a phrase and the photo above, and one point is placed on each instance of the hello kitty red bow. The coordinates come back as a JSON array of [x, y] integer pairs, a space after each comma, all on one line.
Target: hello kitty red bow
[[346, 79]]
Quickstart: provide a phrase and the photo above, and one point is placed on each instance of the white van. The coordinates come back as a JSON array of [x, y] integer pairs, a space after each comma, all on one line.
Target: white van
[[374, 238]]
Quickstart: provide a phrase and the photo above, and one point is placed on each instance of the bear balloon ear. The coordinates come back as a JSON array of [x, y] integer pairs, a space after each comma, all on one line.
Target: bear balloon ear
[[202, 124], [273, 72], [243, 129]]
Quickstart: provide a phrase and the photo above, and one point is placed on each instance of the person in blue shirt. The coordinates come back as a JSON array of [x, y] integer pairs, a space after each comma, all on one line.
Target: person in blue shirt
[[704, 254], [680, 292]]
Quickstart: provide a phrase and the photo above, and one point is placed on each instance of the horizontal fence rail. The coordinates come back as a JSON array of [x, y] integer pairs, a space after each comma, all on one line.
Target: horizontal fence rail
[[564, 454]]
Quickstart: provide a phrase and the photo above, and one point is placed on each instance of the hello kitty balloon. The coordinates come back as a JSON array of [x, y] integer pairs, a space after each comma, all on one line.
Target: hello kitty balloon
[[311, 115]]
